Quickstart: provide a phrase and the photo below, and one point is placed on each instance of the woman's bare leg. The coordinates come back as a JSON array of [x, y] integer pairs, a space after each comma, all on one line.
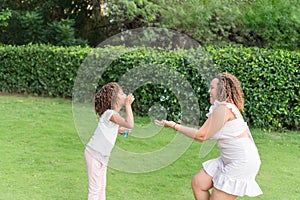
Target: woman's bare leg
[[201, 183], [218, 194]]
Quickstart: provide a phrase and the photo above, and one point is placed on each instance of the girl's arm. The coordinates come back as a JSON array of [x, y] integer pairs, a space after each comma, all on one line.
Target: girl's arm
[[128, 121], [210, 127]]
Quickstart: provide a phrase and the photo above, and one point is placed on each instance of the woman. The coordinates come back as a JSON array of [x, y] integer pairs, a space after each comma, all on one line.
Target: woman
[[233, 173]]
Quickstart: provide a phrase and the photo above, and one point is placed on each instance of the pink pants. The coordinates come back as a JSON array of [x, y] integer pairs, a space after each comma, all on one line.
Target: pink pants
[[96, 176]]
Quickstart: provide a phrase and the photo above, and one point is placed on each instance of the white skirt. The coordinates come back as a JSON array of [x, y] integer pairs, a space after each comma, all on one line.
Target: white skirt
[[233, 178]]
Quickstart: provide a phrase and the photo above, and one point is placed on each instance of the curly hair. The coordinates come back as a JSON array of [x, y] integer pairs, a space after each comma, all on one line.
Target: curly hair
[[106, 97], [230, 90]]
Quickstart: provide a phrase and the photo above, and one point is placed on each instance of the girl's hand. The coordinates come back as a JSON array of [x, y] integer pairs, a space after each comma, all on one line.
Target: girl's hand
[[129, 99], [123, 129], [165, 123]]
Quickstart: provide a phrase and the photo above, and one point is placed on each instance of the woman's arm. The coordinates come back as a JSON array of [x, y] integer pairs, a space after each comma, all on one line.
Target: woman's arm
[[210, 127], [192, 133]]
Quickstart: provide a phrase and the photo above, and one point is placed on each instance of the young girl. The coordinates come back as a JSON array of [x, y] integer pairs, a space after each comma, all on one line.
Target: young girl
[[108, 102], [233, 173]]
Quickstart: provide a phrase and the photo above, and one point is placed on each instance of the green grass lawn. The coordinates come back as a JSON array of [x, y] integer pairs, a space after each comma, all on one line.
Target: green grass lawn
[[42, 158]]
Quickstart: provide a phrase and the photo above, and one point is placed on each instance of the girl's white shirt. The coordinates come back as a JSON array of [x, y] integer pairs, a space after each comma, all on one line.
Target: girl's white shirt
[[105, 135]]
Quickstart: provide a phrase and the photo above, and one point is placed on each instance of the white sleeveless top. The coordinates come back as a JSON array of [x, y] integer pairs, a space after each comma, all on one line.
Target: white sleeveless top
[[233, 128], [105, 135]]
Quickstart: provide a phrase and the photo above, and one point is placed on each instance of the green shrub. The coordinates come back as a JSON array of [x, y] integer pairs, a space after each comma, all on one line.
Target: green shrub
[[62, 33], [4, 16], [276, 22], [261, 23], [270, 78], [39, 69], [30, 27]]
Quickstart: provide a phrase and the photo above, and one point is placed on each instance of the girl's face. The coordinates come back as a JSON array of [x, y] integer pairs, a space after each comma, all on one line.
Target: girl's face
[[213, 90], [121, 98]]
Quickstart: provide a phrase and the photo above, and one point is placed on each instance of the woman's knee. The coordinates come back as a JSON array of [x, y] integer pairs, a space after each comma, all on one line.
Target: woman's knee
[[195, 182], [202, 181]]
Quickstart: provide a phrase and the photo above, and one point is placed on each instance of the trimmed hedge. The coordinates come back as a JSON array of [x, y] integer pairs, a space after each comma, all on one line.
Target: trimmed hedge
[[270, 78], [39, 69]]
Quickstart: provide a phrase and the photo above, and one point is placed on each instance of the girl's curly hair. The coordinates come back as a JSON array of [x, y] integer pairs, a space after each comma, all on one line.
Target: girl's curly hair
[[230, 90], [106, 97]]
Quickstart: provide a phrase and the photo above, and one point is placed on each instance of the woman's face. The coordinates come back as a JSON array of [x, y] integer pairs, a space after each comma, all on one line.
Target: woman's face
[[213, 90]]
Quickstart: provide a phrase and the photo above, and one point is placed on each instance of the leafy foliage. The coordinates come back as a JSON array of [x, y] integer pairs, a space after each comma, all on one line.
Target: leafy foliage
[[262, 23], [62, 33], [39, 69], [133, 14], [277, 22], [4, 16], [270, 78], [30, 27]]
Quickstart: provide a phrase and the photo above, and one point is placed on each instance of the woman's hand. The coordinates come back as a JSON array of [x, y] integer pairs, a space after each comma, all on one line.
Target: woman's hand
[[165, 123]]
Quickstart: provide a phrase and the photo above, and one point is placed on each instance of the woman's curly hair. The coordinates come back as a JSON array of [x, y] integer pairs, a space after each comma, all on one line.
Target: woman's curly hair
[[106, 97], [230, 90]]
